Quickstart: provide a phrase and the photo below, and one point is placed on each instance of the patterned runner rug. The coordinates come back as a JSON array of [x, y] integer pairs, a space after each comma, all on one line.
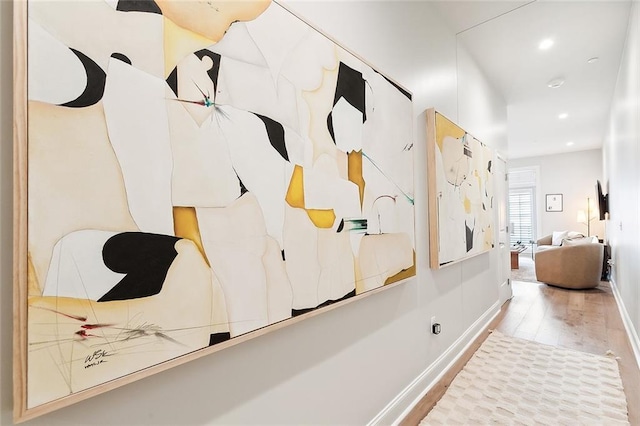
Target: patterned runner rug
[[511, 381]]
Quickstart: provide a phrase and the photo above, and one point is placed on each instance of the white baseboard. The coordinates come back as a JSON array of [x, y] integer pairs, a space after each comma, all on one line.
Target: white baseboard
[[626, 320], [404, 402]]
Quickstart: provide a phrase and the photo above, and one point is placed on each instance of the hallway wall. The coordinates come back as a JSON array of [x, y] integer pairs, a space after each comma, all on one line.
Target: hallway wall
[[622, 176], [346, 365]]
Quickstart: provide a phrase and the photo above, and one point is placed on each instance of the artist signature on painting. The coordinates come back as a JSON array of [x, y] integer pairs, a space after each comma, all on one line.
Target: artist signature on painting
[[96, 358]]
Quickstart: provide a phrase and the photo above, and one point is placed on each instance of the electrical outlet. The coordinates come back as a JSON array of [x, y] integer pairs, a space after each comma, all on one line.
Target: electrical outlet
[[436, 328]]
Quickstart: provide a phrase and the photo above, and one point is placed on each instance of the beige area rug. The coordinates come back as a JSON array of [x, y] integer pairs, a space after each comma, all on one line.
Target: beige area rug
[[511, 381], [527, 270]]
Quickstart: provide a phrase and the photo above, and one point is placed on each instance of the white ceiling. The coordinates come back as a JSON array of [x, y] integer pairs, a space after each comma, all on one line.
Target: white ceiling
[[503, 38]]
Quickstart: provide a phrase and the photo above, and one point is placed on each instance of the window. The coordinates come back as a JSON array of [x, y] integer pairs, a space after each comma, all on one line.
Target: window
[[523, 184], [521, 214]]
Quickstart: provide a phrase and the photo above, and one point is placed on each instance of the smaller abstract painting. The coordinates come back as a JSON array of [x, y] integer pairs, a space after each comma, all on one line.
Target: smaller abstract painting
[[460, 182], [554, 203]]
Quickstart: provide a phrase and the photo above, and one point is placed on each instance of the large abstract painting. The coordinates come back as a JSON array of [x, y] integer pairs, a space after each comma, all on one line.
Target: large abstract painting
[[460, 183], [191, 172]]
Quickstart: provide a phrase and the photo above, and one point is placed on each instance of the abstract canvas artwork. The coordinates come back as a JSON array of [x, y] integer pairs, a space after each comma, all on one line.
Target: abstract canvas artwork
[[460, 183], [193, 171]]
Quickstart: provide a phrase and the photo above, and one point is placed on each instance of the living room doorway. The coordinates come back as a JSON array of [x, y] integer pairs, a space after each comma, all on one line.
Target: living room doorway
[[523, 199], [524, 222]]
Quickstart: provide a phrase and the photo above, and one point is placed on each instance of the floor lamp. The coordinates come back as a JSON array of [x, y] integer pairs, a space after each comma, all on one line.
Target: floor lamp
[[587, 218]]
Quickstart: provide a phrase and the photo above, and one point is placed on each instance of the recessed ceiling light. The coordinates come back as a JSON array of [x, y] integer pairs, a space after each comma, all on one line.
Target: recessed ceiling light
[[563, 116], [592, 60], [545, 44], [555, 83], [569, 143]]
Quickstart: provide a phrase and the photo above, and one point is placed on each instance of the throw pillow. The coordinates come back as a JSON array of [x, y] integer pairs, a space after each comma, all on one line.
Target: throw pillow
[[573, 235], [580, 241], [558, 236]]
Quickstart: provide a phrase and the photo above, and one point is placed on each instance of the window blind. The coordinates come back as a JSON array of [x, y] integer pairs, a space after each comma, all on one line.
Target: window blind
[[521, 213]]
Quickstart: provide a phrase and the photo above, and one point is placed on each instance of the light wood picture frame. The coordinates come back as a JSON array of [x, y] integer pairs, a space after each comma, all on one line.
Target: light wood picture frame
[[461, 194], [242, 153]]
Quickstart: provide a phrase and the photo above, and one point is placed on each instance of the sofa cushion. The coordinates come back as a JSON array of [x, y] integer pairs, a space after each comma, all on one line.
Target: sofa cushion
[[558, 236]]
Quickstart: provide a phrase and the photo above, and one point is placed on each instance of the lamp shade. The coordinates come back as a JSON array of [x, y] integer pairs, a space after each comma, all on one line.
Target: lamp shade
[[582, 216]]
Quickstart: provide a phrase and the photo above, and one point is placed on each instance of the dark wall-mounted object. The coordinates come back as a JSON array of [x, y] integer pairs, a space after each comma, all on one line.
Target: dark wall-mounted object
[[603, 201]]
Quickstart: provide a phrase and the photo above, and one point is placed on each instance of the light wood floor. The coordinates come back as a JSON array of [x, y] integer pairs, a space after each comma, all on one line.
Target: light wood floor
[[584, 320]]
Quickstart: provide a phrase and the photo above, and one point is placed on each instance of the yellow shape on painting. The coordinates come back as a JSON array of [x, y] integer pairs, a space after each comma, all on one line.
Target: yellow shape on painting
[[178, 43], [444, 128], [211, 19], [405, 273], [295, 193], [354, 172], [467, 205], [488, 237], [185, 225], [322, 218], [33, 286]]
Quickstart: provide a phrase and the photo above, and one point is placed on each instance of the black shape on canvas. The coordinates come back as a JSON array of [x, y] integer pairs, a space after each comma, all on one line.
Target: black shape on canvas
[[400, 89], [215, 69], [147, 6], [172, 81], [216, 338], [351, 87], [284, 258], [469, 233], [96, 79], [330, 126], [275, 132], [489, 167], [144, 258], [298, 312], [121, 57], [243, 189]]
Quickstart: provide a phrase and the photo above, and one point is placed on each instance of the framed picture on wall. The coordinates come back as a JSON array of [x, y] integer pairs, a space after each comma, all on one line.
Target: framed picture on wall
[[190, 177], [460, 182], [554, 203]]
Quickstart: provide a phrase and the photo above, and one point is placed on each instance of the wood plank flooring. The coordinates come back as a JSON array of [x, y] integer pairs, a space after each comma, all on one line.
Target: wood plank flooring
[[583, 320]]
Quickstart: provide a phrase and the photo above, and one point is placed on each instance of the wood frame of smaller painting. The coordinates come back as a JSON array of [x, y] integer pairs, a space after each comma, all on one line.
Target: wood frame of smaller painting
[[460, 193]]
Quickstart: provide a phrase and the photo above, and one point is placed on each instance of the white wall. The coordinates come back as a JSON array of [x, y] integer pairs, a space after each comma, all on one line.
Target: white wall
[[573, 175], [484, 114], [621, 161], [345, 365]]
